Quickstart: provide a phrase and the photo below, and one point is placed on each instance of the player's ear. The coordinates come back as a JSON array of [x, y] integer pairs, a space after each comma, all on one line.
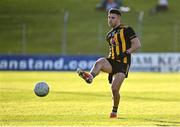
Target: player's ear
[[119, 16]]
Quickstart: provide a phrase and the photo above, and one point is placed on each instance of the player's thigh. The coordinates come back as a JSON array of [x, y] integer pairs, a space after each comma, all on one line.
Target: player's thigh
[[105, 65], [117, 81]]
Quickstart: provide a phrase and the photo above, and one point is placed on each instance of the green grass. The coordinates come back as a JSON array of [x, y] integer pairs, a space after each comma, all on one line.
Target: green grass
[[44, 26], [147, 99]]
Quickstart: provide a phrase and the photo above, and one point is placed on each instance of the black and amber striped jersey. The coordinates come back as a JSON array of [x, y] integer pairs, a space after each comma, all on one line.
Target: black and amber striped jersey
[[119, 40]]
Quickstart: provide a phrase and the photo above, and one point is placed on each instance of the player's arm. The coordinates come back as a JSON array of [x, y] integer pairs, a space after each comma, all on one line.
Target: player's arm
[[135, 44]]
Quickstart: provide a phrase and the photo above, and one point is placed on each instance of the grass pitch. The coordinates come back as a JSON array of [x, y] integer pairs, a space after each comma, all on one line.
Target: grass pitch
[[147, 99]]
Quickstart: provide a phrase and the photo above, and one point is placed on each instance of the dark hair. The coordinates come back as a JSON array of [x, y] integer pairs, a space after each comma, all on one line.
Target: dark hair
[[115, 11]]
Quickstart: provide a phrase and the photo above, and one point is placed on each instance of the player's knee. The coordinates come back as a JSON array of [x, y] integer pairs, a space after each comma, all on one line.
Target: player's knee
[[99, 62]]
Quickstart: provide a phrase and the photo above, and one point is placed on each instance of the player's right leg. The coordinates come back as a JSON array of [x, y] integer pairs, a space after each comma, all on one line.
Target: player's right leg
[[85, 75], [100, 65]]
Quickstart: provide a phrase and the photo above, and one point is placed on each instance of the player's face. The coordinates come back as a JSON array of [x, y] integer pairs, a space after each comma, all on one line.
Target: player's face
[[113, 20]]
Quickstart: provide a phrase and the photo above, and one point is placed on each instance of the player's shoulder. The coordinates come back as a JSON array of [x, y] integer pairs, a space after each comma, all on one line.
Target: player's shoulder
[[109, 34], [126, 27], [128, 30]]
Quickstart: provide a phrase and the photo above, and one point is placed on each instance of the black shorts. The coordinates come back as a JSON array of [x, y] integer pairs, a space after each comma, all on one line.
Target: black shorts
[[117, 67]]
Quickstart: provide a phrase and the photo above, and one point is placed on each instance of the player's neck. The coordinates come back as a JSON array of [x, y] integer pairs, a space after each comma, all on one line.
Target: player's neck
[[116, 26]]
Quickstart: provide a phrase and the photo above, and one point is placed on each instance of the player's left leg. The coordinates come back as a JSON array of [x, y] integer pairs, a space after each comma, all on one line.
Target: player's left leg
[[115, 87]]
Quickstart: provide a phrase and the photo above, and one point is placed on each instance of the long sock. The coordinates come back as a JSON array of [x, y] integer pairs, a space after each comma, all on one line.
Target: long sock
[[114, 110]]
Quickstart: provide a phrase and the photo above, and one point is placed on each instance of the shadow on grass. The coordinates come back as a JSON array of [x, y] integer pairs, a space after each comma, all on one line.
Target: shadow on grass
[[164, 122], [104, 94], [153, 99], [157, 122]]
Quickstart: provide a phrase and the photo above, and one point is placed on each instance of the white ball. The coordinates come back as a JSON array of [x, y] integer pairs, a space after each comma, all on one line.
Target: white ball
[[41, 89]]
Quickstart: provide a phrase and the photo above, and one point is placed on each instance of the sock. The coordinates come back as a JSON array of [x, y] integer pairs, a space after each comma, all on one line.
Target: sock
[[93, 74], [114, 110]]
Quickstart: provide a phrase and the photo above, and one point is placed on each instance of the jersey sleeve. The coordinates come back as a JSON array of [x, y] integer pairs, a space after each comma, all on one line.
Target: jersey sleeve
[[130, 33]]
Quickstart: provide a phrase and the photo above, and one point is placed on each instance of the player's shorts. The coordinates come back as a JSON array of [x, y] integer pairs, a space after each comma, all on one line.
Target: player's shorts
[[117, 67]]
